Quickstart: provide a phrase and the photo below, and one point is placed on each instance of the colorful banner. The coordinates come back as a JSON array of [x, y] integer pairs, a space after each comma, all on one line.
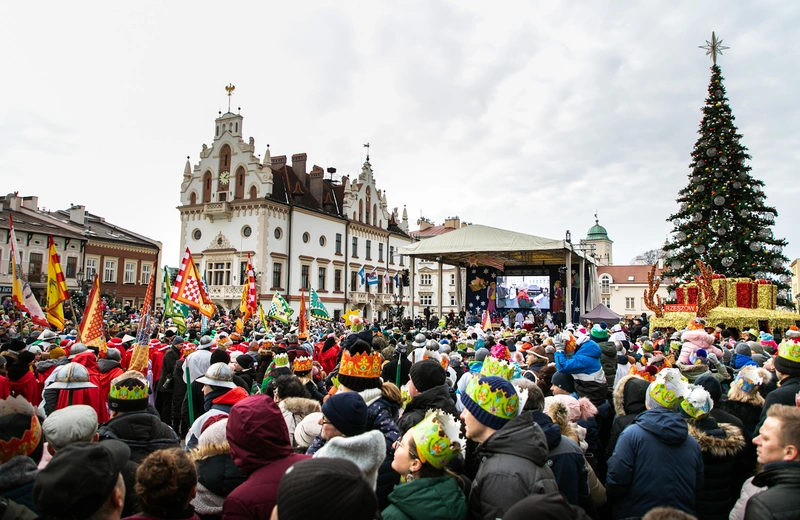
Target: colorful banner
[[189, 288], [56, 288], [92, 329], [21, 293]]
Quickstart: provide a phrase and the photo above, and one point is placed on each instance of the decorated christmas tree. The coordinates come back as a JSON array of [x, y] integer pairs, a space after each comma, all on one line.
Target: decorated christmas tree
[[722, 217]]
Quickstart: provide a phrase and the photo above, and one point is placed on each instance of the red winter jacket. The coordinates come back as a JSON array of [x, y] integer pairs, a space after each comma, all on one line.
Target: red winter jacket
[[89, 396], [27, 387], [260, 447], [326, 358], [5, 387]]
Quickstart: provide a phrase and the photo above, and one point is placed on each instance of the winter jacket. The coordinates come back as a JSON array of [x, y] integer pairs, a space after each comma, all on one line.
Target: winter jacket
[[382, 415], [514, 465], [587, 371], [16, 480], [168, 362], [24, 385], [109, 370], [695, 339], [88, 396], [784, 394], [260, 447], [608, 359], [693, 372], [722, 446], [739, 361], [629, 398], [217, 477], [565, 459], [143, 432], [748, 413], [436, 398], [389, 371], [427, 499], [44, 369], [248, 376], [5, 387], [782, 498], [327, 357], [294, 410]]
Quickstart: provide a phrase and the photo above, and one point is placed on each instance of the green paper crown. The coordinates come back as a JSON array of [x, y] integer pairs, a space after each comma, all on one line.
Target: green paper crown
[[790, 350], [282, 360], [437, 439], [128, 393], [494, 402], [496, 367]]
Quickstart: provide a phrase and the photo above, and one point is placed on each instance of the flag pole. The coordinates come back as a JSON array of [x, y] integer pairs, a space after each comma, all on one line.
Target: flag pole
[[74, 319]]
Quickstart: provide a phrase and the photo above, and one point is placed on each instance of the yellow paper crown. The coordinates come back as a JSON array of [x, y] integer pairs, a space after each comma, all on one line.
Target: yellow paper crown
[[282, 360], [437, 438], [303, 364], [497, 367], [789, 350], [367, 366]]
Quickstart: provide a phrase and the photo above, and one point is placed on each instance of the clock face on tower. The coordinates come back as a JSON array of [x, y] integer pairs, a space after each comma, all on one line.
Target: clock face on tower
[[224, 178]]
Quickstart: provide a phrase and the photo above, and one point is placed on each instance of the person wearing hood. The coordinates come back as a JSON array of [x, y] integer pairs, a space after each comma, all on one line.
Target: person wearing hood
[[220, 393], [260, 447], [787, 370], [629, 401], [722, 446], [428, 391], [44, 368], [744, 397], [327, 353], [110, 369], [217, 475], [428, 491], [585, 367], [513, 449], [19, 458], [697, 338], [656, 445], [22, 381], [88, 395]]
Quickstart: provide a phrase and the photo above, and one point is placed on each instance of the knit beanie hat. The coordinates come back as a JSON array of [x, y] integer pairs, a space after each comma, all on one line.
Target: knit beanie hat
[[667, 390], [307, 430], [493, 401], [215, 432], [698, 357], [427, 374], [360, 368], [128, 392], [563, 381], [367, 451], [743, 349], [347, 412], [599, 332], [57, 352], [481, 354], [697, 404], [712, 386], [220, 356], [334, 485], [788, 359]]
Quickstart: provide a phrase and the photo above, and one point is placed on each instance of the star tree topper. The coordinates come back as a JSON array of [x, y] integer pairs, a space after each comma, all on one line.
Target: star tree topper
[[713, 47]]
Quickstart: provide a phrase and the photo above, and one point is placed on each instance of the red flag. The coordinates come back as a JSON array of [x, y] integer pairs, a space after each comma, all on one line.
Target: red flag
[[56, 288], [189, 288], [91, 330], [21, 293], [302, 319]]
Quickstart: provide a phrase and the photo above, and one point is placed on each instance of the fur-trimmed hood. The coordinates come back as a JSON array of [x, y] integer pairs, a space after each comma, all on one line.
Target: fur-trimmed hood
[[632, 397], [299, 405], [209, 450], [731, 444], [698, 337]]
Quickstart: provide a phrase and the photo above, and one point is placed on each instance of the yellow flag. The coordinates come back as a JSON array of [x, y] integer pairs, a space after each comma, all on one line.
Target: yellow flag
[[56, 288]]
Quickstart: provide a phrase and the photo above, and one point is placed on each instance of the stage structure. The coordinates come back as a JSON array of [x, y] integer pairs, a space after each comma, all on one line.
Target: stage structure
[[506, 269]]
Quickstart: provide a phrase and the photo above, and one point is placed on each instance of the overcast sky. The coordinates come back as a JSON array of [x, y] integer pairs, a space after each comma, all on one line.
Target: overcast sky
[[522, 117]]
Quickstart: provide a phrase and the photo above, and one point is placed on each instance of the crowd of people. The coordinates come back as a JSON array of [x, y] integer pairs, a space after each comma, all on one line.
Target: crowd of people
[[592, 420]]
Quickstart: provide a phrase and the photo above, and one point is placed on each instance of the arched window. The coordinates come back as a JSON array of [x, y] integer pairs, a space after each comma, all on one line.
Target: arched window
[[605, 284], [239, 192], [253, 192], [224, 169], [374, 214], [207, 187], [193, 198], [361, 211]]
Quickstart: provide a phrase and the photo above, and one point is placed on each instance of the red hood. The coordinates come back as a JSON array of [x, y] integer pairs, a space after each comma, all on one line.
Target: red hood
[[88, 360], [231, 397], [257, 433]]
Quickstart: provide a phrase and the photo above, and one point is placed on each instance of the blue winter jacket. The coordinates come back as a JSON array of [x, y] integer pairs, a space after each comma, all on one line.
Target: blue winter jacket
[[565, 458], [740, 360], [655, 463], [586, 360]]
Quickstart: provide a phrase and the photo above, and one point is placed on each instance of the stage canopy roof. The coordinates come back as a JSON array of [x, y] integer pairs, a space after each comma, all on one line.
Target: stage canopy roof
[[483, 245]]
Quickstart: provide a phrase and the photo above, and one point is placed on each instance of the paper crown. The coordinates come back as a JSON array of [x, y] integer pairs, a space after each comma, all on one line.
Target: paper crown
[[496, 402], [668, 388], [282, 361], [497, 367], [303, 364], [697, 404], [24, 445], [367, 366], [789, 350], [696, 324], [125, 387], [438, 439]]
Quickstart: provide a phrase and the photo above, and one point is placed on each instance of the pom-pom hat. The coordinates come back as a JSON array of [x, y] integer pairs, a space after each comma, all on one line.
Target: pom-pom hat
[[493, 401], [438, 439]]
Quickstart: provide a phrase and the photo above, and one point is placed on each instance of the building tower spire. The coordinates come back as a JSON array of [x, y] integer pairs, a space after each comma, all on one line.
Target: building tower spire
[[229, 89]]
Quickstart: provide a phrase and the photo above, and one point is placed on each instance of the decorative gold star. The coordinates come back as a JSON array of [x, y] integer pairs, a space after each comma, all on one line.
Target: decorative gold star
[[713, 47]]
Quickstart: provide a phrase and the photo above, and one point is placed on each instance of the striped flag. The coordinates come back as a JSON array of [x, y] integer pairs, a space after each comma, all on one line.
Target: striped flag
[[145, 319], [56, 288], [249, 297], [189, 288], [92, 330], [21, 293], [262, 317], [318, 310], [302, 319], [279, 309]]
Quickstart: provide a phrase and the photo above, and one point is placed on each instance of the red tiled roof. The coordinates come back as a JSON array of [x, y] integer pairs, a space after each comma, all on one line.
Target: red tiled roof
[[431, 231], [620, 273]]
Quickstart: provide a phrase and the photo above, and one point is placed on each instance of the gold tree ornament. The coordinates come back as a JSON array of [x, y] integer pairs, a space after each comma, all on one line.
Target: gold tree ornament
[[705, 283], [652, 300]]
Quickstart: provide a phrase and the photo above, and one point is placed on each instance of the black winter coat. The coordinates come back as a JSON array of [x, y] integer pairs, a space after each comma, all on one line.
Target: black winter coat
[[436, 398], [629, 397], [723, 448], [143, 432], [782, 499], [785, 394], [748, 413], [608, 359], [171, 357]]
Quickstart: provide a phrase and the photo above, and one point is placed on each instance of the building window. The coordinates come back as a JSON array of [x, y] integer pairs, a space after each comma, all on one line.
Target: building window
[[130, 273], [353, 281], [452, 279], [306, 238], [91, 268], [426, 299], [606, 300], [337, 280], [196, 234], [146, 272], [425, 279], [453, 302], [380, 252], [338, 243], [605, 284], [110, 272], [322, 241], [35, 266], [321, 279], [304, 281], [355, 247], [337, 314], [219, 273], [247, 231], [72, 266], [630, 304], [368, 250], [276, 275], [391, 254], [401, 260], [278, 233]]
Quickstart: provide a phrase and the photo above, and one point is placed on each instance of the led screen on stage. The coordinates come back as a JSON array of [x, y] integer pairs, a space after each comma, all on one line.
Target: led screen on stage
[[523, 292]]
